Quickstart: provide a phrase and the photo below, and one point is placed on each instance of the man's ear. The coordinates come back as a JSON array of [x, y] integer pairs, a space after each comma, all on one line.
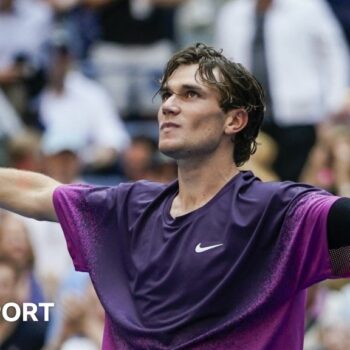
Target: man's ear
[[236, 120]]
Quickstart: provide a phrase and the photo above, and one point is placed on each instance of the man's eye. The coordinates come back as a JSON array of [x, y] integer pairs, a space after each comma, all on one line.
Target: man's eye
[[165, 96], [191, 94]]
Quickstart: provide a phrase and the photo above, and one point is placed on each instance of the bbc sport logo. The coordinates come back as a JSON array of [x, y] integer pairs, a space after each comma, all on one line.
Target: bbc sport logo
[[12, 312]]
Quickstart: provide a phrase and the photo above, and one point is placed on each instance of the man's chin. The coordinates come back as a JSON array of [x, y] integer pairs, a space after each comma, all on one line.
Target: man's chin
[[169, 152], [177, 154]]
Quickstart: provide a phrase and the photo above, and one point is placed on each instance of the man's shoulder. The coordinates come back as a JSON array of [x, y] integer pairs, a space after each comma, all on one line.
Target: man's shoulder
[[274, 200], [142, 189], [143, 185], [283, 191], [89, 191]]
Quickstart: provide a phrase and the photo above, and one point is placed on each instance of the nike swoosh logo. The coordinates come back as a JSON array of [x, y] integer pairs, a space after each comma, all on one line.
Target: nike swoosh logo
[[200, 249]]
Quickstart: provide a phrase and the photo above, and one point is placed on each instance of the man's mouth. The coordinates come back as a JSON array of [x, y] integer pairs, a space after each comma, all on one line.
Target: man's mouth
[[168, 125]]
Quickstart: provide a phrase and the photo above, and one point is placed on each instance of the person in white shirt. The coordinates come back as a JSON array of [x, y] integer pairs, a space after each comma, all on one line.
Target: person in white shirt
[[24, 28], [307, 67], [71, 104]]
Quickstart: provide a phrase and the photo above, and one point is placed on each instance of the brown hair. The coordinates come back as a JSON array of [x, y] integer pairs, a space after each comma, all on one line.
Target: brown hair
[[237, 88]]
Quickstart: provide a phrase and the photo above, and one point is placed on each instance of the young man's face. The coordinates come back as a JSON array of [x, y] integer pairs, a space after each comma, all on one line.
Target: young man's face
[[191, 122]]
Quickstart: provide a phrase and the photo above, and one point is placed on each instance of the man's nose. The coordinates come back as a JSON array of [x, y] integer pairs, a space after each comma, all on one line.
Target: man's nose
[[170, 106]]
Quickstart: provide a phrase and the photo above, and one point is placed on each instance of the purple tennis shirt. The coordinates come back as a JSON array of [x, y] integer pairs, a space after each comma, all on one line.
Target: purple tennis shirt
[[229, 275]]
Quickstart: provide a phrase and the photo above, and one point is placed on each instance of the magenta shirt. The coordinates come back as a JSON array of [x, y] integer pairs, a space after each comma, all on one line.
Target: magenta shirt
[[264, 244]]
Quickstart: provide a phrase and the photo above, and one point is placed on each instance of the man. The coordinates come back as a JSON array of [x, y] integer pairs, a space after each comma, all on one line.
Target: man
[[216, 259]]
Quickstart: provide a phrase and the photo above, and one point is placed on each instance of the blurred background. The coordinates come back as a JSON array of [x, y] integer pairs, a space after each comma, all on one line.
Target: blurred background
[[78, 80]]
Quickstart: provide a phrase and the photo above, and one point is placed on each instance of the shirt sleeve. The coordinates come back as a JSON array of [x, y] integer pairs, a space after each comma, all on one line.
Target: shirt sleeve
[[86, 214], [305, 240]]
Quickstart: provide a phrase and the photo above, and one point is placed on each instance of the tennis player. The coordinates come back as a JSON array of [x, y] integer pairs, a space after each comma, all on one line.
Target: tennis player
[[215, 260]]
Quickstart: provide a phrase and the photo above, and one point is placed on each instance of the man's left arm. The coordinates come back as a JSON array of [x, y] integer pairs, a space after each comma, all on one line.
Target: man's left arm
[[338, 224]]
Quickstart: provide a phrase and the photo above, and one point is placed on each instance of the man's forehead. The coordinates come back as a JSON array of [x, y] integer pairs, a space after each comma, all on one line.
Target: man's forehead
[[186, 75]]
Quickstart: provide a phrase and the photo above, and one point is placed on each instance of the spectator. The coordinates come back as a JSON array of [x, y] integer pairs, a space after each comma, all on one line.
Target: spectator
[[161, 169], [142, 160], [15, 245], [334, 321], [315, 303], [60, 157], [82, 320], [80, 21], [301, 62], [29, 335], [261, 162], [24, 27], [24, 152], [328, 165], [137, 157], [195, 21], [10, 125], [74, 106], [136, 40], [10, 122]]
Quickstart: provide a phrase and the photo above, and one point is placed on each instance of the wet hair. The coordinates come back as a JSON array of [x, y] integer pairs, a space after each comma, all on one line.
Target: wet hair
[[237, 89]]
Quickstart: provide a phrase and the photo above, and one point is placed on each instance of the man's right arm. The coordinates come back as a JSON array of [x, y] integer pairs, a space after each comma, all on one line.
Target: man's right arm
[[27, 193]]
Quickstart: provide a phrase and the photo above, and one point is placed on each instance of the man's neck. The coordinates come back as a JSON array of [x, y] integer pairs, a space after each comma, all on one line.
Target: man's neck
[[199, 181]]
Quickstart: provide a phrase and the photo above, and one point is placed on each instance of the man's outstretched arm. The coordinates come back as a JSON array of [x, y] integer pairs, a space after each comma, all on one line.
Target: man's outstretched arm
[[27, 193]]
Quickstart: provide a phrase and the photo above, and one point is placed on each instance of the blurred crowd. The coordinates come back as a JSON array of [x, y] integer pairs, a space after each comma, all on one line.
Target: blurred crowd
[[78, 102]]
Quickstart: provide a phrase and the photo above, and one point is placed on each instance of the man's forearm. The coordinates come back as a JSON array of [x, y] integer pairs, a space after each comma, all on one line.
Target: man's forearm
[[27, 193]]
